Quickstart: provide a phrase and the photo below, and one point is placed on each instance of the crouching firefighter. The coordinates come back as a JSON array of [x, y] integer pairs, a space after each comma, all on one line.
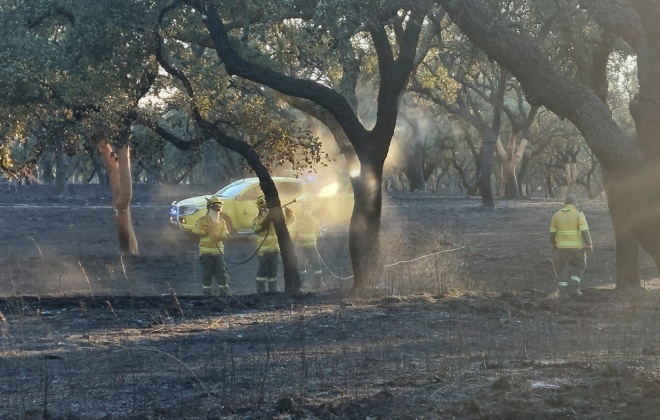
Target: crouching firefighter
[[268, 252], [570, 238], [306, 230], [212, 231]]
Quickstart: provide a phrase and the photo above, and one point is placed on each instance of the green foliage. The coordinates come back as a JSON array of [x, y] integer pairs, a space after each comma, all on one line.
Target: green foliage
[[69, 70], [241, 109], [64, 64]]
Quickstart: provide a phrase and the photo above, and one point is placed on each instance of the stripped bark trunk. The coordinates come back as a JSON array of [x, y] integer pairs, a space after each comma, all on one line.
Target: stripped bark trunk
[[510, 158], [570, 171], [117, 164]]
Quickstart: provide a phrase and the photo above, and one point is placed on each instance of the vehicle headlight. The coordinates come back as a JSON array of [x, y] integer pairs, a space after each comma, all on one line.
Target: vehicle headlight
[[187, 210]]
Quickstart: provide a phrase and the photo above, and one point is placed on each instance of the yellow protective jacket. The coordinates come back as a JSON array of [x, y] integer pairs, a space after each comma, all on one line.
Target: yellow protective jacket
[[568, 224], [306, 230], [265, 230], [211, 234]]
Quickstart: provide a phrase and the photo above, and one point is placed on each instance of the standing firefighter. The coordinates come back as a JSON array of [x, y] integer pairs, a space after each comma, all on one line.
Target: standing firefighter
[[269, 247], [306, 231], [212, 231], [569, 235]]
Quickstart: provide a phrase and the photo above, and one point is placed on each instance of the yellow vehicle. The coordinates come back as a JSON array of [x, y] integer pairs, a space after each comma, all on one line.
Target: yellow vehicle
[[239, 209]]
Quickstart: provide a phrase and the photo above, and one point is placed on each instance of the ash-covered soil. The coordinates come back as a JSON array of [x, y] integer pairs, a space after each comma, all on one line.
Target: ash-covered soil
[[464, 323]]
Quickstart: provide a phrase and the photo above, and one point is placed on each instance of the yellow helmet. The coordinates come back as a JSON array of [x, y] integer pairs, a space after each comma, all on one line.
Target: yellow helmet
[[261, 201], [211, 201]]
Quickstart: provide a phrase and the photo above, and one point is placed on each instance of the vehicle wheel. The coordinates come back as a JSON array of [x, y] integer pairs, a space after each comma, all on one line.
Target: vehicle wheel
[[324, 224]]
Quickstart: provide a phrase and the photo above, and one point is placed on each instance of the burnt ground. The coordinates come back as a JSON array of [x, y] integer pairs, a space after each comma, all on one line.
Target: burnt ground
[[464, 324]]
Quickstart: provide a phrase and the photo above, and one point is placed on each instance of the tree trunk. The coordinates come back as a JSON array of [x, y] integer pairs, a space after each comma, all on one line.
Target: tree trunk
[[118, 167], [510, 157], [627, 248], [414, 166], [414, 156], [99, 168], [645, 108], [46, 164], [371, 146], [543, 85], [570, 171], [61, 173], [511, 181], [292, 281], [549, 186], [211, 167], [524, 165], [364, 227], [486, 172], [364, 231]]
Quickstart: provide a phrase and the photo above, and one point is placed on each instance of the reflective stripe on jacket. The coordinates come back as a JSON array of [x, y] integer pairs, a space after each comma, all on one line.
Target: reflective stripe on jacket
[[567, 224], [211, 234], [265, 230], [306, 229]]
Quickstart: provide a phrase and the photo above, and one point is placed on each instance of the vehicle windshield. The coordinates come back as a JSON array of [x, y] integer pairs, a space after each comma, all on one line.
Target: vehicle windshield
[[233, 189]]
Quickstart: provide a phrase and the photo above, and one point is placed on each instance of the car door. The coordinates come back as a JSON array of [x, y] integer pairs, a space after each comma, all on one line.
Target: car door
[[246, 209]]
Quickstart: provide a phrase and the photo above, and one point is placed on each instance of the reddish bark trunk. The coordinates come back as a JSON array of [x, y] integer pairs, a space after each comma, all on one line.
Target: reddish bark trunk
[[118, 166]]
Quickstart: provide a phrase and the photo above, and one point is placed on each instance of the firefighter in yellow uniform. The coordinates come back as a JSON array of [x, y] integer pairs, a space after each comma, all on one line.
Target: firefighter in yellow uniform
[[569, 235], [268, 252], [306, 232], [212, 232]]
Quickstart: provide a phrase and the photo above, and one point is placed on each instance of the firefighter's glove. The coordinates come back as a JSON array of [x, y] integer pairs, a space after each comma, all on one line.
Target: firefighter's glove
[[589, 248], [288, 212]]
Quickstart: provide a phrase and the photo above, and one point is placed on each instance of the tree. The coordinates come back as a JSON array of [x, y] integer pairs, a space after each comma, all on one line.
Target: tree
[[370, 146], [510, 158], [479, 100], [628, 169], [85, 63], [284, 143]]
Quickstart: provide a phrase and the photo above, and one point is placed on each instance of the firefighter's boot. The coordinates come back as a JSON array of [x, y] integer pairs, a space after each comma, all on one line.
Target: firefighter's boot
[[574, 287], [317, 284], [261, 285], [302, 274], [272, 285], [563, 289], [223, 290]]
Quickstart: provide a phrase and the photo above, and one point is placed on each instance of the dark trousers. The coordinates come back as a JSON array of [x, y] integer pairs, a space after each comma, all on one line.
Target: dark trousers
[[570, 264], [213, 265], [309, 256], [268, 265]]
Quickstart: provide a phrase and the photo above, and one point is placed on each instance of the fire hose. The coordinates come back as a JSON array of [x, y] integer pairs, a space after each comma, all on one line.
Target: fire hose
[[262, 241]]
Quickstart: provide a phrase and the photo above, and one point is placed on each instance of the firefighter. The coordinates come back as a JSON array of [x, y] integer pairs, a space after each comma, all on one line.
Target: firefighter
[[212, 232], [306, 232], [268, 252], [570, 238]]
